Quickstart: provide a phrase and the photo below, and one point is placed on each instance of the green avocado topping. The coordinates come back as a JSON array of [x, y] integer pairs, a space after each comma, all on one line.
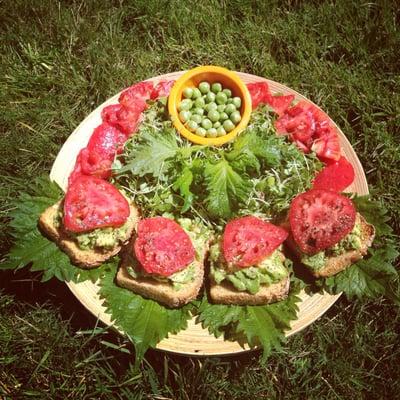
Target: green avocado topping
[[352, 241], [250, 279]]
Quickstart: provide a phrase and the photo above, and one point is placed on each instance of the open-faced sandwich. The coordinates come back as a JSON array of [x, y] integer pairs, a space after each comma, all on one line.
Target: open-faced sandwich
[[91, 223], [326, 232], [247, 266], [164, 261]]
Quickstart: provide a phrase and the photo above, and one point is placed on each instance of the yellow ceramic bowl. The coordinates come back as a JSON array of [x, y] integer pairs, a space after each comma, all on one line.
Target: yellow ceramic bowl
[[211, 74]]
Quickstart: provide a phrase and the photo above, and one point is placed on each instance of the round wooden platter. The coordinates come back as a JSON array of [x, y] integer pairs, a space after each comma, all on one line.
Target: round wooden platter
[[194, 340]]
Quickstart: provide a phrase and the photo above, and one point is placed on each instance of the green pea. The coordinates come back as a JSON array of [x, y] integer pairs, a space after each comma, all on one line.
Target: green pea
[[199, 102], [221, 131], [229, 101], [185, 104], [204, 87], [184, 115], [188, 92], [196, 118], [228, 125], [216, 87], [213, 115], [210, 106], [210, 97], [235, 117], [198, 111], [206, 123], [237, 101], [212, 132], [221, 108], [200, 131], [223, 116], [196, 93], [192, 126], [217, 124], [221, 98], [230, 108], [228, 92]]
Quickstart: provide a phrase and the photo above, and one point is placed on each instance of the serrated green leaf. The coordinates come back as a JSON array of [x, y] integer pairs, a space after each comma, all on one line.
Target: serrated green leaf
[[226, 188], [31, 247], [182, 184], [260, 325], [152, 153], [145, 321]]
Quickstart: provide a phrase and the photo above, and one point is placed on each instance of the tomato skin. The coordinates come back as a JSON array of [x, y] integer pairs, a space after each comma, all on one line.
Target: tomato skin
[[135, 97], [319, 219], [311, 129], [259, 93], [335, 176], [162, 247], [162, 89], [92, 203], [249, 240]]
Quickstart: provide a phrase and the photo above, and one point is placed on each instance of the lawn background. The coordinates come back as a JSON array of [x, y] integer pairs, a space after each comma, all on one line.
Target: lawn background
[[60, 60]]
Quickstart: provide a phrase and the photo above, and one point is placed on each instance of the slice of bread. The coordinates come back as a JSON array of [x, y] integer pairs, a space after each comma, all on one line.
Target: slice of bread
[[163, 292], [225, 293], [336, 264], [86, 259]]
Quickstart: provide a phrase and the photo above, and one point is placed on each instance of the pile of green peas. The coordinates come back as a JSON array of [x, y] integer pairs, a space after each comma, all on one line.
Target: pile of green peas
[[209, 110]]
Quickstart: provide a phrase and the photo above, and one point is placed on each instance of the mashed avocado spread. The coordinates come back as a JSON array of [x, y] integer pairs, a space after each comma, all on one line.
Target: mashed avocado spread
[[199, 236], [250, 279], [352, 241]]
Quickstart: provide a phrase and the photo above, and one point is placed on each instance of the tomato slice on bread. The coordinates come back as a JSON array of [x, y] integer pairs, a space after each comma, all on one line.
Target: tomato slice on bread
[[319, 219], [162, 247], [92, 203], [249, 240], [335, 176]]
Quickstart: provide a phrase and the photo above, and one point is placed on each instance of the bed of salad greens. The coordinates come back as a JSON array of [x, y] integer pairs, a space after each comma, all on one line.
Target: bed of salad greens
[[258, 174]]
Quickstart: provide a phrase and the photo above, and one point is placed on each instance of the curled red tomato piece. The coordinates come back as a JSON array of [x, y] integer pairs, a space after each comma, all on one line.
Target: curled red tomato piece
[[135, 97], [92, 203], [336, 176], [249, 240], [280, 103], [259, 93], [162, 89], [162, 247], [319, 219]]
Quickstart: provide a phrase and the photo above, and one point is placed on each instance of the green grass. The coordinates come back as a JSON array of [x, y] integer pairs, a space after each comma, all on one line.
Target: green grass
[[60, 60]]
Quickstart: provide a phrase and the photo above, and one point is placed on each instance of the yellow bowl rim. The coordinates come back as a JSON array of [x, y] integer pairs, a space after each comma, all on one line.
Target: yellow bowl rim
[[177, 89]]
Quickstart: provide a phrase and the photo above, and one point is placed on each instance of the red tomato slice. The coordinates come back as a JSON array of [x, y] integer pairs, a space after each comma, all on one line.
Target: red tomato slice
[[92, 163], [136, 96], [319, 219], [259, 93], [106, 140], [125, 119], [162, 247], [281, 103], [336, 176], [327, 147], [249, 240], [91, 203], [162, 89]]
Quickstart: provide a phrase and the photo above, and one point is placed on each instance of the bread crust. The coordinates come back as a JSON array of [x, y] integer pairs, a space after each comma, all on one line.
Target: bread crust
[[86, 259], [336, 264], [225, 293]]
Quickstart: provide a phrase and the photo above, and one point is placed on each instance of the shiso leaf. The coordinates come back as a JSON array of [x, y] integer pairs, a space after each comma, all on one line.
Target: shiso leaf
[[374, 275], [260, 325], [226, 188], [30, 247], [145, 321]]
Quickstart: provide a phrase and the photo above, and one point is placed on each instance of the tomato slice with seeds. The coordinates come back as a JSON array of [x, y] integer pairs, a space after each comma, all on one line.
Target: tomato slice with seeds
[[259, 93], [162, 247], [92, 203], [336, 176], [280, 103], [135, 97], [249, 240], [319, 219], [162, 89]]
